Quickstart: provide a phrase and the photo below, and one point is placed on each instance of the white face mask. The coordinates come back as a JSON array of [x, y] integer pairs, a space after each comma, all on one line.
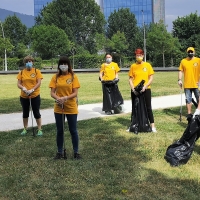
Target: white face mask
[[108, 60], [63, 68]]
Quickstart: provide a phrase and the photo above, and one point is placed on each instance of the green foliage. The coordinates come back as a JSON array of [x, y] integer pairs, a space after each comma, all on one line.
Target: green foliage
[[5, 44], [14, 30], [187, 30], [49, 41], [80, 20], [124, 21]]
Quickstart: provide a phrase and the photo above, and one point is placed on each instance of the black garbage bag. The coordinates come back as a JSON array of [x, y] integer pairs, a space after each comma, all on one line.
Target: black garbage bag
[[112, 98], [140, 121], [180, 151]]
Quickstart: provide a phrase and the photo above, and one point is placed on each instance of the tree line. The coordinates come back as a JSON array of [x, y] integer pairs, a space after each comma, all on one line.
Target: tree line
[[79, 28]]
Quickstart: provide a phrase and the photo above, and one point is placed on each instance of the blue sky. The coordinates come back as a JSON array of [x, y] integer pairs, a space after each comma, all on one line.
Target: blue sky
[[173, 8]]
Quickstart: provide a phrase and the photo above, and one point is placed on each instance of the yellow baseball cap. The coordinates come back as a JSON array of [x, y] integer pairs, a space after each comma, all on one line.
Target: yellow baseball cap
[[190, 49]]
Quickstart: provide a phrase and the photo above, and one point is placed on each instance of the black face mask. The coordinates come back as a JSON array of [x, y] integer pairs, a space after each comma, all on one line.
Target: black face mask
[[190, 55]]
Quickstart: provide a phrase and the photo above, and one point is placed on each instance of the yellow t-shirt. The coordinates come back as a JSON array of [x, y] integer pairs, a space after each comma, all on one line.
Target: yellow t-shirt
[[191, 71], [64, 85], [29, 80], [140, 71], [109, 71]]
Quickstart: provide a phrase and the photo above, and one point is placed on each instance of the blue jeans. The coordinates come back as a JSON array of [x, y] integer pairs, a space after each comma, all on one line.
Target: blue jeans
[[188, 94], [72, 124]]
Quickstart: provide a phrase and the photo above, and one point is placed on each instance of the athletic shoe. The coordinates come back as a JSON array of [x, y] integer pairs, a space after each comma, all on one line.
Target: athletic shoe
[[24, 132], [108, 112], [58, 156], [128, 130], [154, 130], [77, 156], [39, 133]]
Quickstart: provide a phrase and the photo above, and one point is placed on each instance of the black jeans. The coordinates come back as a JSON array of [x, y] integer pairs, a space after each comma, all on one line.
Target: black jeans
[[35, 103], [147, 96]]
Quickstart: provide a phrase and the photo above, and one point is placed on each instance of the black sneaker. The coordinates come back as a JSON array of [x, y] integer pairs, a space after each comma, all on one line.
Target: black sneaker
[[189, 117], [77, 156], [58, 156]]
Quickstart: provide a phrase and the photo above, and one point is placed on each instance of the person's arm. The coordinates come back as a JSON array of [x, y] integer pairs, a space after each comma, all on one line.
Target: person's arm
[[180, 83]]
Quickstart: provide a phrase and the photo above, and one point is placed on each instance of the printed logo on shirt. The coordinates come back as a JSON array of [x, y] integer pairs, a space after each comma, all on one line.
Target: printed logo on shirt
[[33, 75], [195, 64], [69, 81], [144, 69]]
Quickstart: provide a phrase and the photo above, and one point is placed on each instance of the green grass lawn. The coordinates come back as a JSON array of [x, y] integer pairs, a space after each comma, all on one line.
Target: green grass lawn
[[165, 83], [116, 165]]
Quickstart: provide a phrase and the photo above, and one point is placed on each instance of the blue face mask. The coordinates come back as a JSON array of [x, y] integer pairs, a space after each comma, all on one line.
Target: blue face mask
[[29, 64]]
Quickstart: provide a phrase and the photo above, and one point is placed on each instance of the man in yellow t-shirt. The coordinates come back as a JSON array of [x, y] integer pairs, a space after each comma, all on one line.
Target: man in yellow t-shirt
[[190, 69]]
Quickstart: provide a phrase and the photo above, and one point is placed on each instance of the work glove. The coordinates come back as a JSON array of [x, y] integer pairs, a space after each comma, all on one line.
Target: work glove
[[197, 112], [29, 92], [180, 83], [24, 89]]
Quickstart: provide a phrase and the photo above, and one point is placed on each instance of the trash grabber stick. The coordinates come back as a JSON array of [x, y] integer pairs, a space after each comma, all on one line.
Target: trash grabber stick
[[31, 116], [180, 119], [63, 123]]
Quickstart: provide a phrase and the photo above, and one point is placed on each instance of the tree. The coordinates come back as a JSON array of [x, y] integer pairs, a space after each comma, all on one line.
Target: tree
[[14, 30], [49, 41], [5, 44], [159, 41], [119, 44], [187, 29], [125, 22], [80, 20]]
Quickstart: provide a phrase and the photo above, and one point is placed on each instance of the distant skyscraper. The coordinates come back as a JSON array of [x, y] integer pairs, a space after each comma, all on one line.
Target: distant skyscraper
[[146, 11], [39, 4]]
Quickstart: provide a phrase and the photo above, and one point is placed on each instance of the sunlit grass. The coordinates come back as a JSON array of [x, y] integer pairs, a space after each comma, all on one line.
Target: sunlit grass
[[165, 83]]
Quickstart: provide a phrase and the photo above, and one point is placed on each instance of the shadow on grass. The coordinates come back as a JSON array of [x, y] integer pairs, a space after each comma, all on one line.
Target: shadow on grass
[[115, 165]]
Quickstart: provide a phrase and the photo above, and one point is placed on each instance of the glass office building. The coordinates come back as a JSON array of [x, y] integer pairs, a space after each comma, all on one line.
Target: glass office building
[[39, 4], [146, 11]]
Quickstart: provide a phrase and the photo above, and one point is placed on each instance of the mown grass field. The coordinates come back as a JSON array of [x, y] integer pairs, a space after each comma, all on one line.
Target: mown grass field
[[116, 165]]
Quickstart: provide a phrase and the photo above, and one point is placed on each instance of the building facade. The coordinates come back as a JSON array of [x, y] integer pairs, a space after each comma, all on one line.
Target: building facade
[[39, 4], [146, 11]]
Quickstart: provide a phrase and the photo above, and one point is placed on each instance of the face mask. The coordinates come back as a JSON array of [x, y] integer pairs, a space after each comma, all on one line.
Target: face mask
[[63, 68], [190, 55], [139, 59], [108, 60], [29, 64]]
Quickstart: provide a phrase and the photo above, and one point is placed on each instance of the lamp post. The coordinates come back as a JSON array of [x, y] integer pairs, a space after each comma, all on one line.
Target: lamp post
[[143, 23], [5, 62]]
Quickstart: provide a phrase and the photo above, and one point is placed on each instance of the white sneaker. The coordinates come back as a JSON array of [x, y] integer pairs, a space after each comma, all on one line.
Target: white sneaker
[[128, 130], [154, 130]]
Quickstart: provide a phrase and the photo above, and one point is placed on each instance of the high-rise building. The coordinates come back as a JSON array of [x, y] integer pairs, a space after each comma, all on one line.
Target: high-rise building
[[146, 11], [39, 4]]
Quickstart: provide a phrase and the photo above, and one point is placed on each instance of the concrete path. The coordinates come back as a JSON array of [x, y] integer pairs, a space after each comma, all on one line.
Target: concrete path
[[14, 121]]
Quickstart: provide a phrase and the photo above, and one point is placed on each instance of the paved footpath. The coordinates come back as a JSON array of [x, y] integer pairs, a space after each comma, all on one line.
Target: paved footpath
[[14, 121]]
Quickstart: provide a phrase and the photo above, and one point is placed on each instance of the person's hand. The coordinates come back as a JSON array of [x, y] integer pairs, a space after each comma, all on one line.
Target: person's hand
[[116, 80], [180, 83], [61, 100], [144, 88], [24, 89], [135, 92], [197, 112], [29, 92]]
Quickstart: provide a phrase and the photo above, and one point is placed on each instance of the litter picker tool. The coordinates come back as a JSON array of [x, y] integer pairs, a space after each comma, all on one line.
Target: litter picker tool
[[63, 123], [181, 108], [31, 115]]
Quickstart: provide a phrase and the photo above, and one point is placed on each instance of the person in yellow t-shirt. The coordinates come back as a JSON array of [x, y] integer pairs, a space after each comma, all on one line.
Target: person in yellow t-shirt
[[190, 69], [142, 71], [29, 81], [64, 89], [108, 75]]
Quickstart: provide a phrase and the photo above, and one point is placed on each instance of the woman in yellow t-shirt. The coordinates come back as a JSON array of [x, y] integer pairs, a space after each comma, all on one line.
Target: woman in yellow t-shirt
[[29, 81], [64, 89], [142, 71], [112, 98]]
